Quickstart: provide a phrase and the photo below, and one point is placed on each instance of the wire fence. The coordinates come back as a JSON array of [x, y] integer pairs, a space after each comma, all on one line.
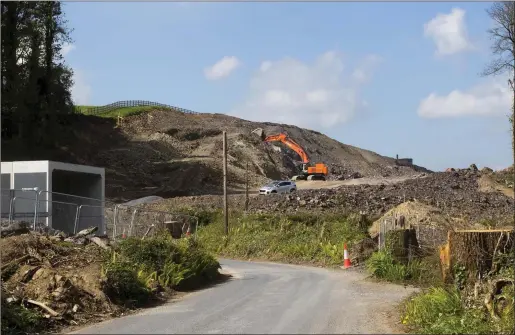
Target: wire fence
[[70, 213], [129, 103], [131, 221], [418, 238]]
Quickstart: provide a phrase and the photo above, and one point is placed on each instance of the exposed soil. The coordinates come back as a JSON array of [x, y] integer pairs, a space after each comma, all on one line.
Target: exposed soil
[[169, 153], [63, 276], [456, 194]]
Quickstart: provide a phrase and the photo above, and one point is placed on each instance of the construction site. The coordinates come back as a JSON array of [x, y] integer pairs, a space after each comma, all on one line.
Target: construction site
[[162, 168]]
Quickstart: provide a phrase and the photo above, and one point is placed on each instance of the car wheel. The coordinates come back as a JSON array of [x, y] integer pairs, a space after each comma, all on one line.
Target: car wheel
[[292, 190], [273, 192]]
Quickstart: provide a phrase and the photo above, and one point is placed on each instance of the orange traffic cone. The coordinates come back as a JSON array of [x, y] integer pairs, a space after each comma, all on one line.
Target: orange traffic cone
[[346, 261]]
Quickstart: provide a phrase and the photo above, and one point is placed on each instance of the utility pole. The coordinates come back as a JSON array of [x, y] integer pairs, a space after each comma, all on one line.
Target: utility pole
[[226, 214], [247, 187]]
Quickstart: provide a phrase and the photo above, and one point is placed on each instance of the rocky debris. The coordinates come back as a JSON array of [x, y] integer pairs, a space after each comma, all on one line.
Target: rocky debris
[[61, 280], [456, 194], [505, 177], [486, 170]]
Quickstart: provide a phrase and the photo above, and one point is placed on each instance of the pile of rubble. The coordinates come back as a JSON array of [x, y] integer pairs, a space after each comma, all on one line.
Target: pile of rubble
[[55, 274], [456, 193]]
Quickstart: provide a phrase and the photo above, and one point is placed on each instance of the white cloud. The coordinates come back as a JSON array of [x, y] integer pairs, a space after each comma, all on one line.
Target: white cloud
[[307, 95], [66, 48], [449, 32], [492, 97], [81, 90], [222, 68]]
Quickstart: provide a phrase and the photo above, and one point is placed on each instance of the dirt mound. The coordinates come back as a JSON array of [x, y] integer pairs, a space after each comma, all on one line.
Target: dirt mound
[[456, 194], [487, 183], [169, 153], [414, 213], [60, 279]]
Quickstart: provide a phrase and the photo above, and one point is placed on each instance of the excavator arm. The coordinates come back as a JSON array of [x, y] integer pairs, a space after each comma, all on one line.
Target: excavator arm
[[290, 144], [317, 172]]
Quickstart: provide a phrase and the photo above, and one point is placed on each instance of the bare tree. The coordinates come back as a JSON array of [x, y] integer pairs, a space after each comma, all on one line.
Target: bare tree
[[503, 49]]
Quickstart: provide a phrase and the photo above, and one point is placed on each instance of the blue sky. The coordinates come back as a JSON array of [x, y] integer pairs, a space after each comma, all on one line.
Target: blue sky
[[362, 73]]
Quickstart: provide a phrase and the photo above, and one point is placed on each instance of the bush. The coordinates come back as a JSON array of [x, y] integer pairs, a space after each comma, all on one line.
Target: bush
[[440, 311], [139, 268], [17, 319], [123, 286], [383, 265]]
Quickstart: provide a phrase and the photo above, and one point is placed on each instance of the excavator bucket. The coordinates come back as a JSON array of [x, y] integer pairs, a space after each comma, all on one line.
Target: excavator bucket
[[259, 132]]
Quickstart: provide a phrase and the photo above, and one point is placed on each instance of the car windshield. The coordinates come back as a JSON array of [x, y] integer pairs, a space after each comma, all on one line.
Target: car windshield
[[272, 184]]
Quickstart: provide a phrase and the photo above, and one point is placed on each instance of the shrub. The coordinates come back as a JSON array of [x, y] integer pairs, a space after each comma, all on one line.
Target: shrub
[[122, 284], [16, 319], [138, 268], [440, 311], [383, 265]]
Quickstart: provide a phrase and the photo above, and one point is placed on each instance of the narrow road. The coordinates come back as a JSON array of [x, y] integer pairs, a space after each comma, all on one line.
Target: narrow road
[[272, 298]]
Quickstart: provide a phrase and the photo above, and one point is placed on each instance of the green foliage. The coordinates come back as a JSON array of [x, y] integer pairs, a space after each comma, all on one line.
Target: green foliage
[[383, 265], [440, 311], [114, 112], [299, 238], [139, 268], [123, 285], [424, 272], [460, 275], [204, 217], [16, 319], [36, 82]]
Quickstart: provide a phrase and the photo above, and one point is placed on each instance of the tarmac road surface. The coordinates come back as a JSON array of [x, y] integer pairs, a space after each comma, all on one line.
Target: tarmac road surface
[[271, 298]]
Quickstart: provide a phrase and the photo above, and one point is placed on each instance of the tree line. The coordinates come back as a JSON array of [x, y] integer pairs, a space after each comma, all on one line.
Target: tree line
[[36, 82]]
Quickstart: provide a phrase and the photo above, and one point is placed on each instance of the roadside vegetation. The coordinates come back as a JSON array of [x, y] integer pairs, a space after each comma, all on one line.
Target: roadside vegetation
[[87, 282], [450, 307], [455, 307], [299, 239]]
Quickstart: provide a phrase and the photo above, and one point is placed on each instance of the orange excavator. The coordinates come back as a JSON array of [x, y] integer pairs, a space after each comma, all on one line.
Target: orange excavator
[[317, 172]]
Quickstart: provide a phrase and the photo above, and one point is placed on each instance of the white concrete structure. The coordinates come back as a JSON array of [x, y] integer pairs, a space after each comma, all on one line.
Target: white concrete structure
[[61, 189]]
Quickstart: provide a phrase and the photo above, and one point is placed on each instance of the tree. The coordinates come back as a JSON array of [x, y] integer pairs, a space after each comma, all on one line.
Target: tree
[[36, 83], [503, 49]]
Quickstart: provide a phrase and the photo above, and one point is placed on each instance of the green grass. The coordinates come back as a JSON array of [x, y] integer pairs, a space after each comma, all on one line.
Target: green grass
[[421, 272], [440, 311], [300, 239], [138, 269], [18, 320], [122, 111]]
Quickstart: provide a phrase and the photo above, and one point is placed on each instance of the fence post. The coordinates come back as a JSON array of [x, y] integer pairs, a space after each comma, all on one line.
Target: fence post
[[379, 236], [132, 222], [36, 189], [11, 209], [77, 219], [114, 220]]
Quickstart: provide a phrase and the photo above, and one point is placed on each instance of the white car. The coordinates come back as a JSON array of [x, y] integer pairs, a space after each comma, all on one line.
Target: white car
[[278, 186]]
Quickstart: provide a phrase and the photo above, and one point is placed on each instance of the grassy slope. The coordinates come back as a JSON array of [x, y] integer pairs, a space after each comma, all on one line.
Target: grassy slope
[[122, 111]]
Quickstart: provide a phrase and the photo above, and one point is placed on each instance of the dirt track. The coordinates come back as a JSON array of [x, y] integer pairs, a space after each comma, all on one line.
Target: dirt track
[[316, 185]]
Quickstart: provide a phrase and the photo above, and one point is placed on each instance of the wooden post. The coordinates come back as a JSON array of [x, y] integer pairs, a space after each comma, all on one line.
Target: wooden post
[[247, 187], [226, 214]]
